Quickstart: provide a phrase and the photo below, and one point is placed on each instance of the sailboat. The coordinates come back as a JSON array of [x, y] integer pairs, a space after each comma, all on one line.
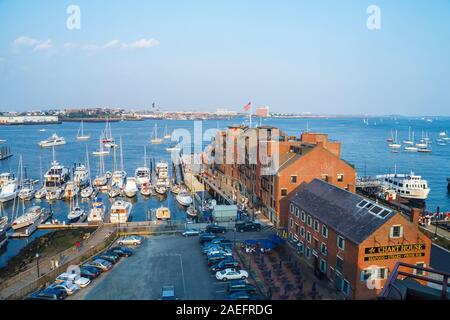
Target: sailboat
[[395, 144], [155, 139], [10, 189], [167, 135], [390, 139], [410, 147], [88, 191], [80, 135], [409, 142], [101, 179], [101, 151], [27, 190], [42, 192], [76, 213], [142, 174], [118, 176]]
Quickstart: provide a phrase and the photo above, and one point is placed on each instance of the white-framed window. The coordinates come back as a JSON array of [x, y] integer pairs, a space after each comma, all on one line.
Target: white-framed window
[[396, 231], [302, 215], [346, 287], [340, 177], [297, 210], [302, 231], [308, 236], [291, 221], [323, 266], [339, 264], [420, 272], [340, 242], [382, 273], [296, 228], [323, 249], [293, 179], [316, 225], [379, 273], [309, 220], [291, 208], [300, 246], [308, 252], [324, 231]]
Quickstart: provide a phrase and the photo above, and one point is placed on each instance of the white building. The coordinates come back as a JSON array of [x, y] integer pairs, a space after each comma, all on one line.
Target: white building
[[28, 119]]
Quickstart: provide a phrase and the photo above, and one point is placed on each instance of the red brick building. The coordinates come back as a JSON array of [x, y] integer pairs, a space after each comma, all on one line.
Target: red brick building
[[297, 160], [350, 240]]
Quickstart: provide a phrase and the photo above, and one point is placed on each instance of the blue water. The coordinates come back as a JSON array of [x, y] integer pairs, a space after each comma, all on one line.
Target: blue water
[[362, 145]]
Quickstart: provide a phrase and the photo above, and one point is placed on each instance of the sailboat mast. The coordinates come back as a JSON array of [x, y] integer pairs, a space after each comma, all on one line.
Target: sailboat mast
[[121, 154]]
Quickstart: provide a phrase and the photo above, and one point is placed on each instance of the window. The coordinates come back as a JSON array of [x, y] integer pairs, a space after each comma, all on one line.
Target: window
[[293, 179], [283, 192], [323, 266], [340, 177], [308, 236], [296, 211], [396, 231], [340, 243], [375, 273], [420, 272], [300, 246], [323, 249], [382, 273], [324, 231], [346, 287], [296, 228], [308, 252], [316, 225], [302, 231], [291, 208], [339, 263], [291, 222], [308, 220], [302, 216]]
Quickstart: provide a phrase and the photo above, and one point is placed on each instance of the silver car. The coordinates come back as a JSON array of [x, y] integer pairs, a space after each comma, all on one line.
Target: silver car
[[129, 240]]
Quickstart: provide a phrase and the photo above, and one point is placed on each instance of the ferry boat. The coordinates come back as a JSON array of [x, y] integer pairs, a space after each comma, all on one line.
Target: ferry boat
[[163, 213], [81, 176], [131, 188], [97, 212], [29, 217], [53, 141], [409, 186], [120, 211], [184, 199]]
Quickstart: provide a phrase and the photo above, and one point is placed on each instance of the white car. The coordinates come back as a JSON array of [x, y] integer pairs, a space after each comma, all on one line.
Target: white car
[[74, 278], [129, 240], [67, 286], [191, 232], [215, 251], [231, 274]]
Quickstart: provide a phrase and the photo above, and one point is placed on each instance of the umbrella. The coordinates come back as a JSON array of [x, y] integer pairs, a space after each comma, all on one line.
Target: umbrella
[[266, 244], [276, 239]]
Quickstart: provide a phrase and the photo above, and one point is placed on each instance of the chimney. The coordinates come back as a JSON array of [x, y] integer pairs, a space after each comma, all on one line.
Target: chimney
[[414, 217]]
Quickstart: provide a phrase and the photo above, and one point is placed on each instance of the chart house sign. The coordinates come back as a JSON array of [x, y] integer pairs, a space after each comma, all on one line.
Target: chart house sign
[[394, 252]]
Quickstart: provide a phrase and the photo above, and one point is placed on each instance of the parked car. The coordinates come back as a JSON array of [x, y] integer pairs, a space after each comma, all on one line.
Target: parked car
[[108, 256], [224, 264], [207, 248], [49, 294], [122, 251], [215, 228], [68, 286], [217, 243], [100, 264], [241, 285], [242, 295], [231, 274], [216, 259], [247, 226], [90, 272], [168, 293], [74, 278], [190, 232], [214, 252], [206, 236], [129, 240]]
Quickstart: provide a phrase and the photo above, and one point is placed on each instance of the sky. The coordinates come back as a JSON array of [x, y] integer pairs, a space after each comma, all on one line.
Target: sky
[[293, 56]]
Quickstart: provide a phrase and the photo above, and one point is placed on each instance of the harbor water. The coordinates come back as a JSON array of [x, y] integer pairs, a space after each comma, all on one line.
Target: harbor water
[[363, 145]]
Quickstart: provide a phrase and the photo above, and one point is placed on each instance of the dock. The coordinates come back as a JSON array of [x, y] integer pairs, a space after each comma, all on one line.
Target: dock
[[28, 231], [63, 226]]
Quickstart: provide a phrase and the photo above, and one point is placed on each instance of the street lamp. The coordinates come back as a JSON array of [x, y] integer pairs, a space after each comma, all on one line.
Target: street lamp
[[37, 264], [436, 222]]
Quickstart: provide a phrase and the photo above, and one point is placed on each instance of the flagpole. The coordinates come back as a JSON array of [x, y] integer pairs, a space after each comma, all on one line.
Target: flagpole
[[250, 115]]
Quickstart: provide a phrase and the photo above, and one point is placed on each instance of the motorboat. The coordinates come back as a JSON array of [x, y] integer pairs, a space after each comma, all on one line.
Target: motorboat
[[142, 175], [6, 178], [77, 214], [131, 188], [53, 141], [87, 192], [162, 213], [411, 149], [147, 190], [176, 189], [81, 176], [9, 192], [97, 212], [41, 193], [57, 176], [161, 167], [80, 135], [120, 211], [409, 186], [71, 190], [191, 212], [27, 192], [54, 194], [115, 191], [184, 199], [30, 216]]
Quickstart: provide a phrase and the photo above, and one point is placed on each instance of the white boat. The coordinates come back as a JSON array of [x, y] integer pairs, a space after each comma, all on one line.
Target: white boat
[[120, 211], [101, 179], [162, 213], [115, 191], [71, 190], [411, 149], [6, 178], [41, 193], [76, 214], [409, 142], [107, 134], [142, 174], [80, 135], [28, 218], [155, 139], [97, 212], [53, 141], [160, 189], [394, 144], [54, 194], [101, 151], [424, 150], [147, 190], [81, 176], [161, 166], [173, 149], [176, 189], [87, 192], [131, 188], [184, 199], [408, 186], [9, 192], [3, 222], [167, 135], [42, 130], [118, 176], [191, 212], [27, 192]]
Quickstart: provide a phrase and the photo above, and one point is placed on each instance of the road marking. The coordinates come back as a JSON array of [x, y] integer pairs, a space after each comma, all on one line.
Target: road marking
[[182, 274]]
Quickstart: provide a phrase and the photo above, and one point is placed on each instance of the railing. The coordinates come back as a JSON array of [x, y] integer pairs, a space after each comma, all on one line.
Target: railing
[[390, 283]]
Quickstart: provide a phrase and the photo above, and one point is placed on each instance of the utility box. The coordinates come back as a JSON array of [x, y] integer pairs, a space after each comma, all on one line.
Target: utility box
[[224, 213]]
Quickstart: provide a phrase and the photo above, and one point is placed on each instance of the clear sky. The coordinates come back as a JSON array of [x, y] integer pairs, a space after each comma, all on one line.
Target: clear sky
[[294, 56]]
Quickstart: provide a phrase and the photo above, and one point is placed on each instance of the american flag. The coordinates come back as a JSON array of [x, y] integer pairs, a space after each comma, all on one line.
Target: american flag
[[247, 106]]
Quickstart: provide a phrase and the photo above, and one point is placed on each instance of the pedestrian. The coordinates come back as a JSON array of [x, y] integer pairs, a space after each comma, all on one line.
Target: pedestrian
[[56, 263], [78, 245], [52, 264]]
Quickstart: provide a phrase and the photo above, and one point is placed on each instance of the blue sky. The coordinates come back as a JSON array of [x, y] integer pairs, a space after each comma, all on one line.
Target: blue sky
[[294, 56]]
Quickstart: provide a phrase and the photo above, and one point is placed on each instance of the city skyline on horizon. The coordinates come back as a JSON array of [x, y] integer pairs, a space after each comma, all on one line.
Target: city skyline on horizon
[[204, 56]]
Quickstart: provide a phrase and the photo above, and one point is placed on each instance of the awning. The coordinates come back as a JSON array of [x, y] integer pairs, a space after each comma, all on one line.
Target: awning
[[276, 239], [250, 242], [267, 244]]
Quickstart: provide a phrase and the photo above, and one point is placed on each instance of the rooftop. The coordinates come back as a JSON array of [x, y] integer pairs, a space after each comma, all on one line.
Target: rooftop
[[352, 216]]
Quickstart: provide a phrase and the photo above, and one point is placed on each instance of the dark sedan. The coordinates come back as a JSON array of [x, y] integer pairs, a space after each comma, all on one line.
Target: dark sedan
[[224, 264], [122, 251], [108, 256], [89, 272], [214, 228], [49, 294]]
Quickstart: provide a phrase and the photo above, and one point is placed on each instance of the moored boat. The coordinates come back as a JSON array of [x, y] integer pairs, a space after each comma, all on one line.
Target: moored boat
[[30, 216], [162, 213], [120, 211], [131, 188], [184, 199], [53, 141], [97, 212]]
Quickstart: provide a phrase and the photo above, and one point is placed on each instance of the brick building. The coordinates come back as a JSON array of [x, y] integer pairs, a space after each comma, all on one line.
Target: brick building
[[297, 160], [350, 240]]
